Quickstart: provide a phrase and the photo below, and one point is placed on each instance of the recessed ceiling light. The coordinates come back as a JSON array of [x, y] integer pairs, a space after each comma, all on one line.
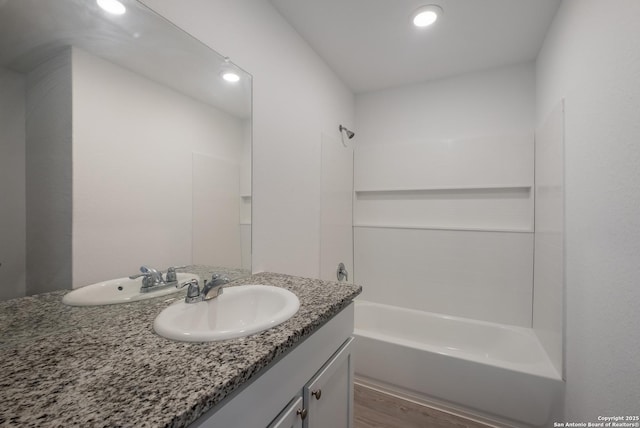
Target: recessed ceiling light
[[426, 15], [112, 6]]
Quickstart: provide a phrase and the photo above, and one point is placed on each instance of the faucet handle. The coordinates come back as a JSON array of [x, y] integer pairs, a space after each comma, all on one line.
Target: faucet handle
[[143, 274], [145, 271], [189, 283], [171, 273], [152, 278], [193, 292]]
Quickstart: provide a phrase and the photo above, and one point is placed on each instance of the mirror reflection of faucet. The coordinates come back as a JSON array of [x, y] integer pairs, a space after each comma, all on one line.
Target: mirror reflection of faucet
[[152, 279], [171, 276]]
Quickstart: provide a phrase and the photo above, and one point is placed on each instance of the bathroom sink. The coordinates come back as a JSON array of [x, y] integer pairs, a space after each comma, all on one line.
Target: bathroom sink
[[237, 312], [121, 290]]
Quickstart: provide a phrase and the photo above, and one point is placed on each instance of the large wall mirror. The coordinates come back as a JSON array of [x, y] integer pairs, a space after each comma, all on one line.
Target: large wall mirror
[[121, 145]]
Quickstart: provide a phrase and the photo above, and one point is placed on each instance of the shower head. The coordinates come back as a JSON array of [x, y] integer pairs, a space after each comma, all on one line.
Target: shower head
[[350, 134]]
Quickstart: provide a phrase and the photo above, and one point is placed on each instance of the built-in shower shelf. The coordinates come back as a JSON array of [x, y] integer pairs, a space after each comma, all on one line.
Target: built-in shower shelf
[[518, 187], [450, 228]]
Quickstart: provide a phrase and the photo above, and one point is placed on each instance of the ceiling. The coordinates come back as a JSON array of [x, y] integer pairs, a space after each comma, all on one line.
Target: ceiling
[[372, 45], [33, 31]]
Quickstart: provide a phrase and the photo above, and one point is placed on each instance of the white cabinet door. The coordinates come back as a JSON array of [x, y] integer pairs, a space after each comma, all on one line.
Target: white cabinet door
[[328, 397], [291, 416]]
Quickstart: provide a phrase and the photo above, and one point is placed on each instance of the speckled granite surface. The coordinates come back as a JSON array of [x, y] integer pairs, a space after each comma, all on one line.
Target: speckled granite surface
[[104, 366], [28, 318]]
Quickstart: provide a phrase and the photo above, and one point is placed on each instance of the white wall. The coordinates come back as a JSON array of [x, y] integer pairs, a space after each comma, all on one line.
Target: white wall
[[135, 145], [443, 180], [12, 185], [591, 57], [336, 219], [296, 97], [494, 102], [245, 195], [48, 172]]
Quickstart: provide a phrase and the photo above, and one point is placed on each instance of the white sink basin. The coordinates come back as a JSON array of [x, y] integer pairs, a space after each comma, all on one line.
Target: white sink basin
[[121, 290], [237, 312]]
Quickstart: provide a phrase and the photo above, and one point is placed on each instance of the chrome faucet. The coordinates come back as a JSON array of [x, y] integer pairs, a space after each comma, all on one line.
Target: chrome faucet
[[214, 286], [152, 279], [171, 277], [211, 289]]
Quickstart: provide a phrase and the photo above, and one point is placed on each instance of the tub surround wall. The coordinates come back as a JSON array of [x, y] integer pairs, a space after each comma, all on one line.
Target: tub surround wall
[[480, 183], [12, 185], [548, 289], [215, 211], [444, 179], [296, 98], [591, 58], [449, 272], [49, 175]]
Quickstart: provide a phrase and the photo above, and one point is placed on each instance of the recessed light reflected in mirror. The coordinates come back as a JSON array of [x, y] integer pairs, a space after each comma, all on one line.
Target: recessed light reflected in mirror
[[229, 72], [114, 7], [231, 77], [426, 15]]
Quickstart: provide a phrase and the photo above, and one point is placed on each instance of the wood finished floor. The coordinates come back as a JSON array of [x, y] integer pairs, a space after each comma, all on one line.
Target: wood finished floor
[[373, 409]]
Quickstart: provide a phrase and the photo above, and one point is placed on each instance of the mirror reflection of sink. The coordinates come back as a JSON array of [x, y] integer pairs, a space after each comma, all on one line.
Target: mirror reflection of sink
[[239, 311], [121, 290]]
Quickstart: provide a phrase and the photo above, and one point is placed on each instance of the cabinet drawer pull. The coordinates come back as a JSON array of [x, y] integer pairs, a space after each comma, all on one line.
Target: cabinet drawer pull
[[303, 413], [317, 393]]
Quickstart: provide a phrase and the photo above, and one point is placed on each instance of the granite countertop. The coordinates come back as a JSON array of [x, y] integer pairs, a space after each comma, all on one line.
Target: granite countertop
[[104, 366]]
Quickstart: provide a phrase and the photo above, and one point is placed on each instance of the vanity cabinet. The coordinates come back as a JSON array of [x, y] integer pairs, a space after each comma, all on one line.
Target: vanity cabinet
[[309, 387], [327, 399], [292, 416]]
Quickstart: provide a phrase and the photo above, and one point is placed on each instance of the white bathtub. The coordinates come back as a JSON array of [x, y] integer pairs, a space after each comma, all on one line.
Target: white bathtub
[[498, 370]]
